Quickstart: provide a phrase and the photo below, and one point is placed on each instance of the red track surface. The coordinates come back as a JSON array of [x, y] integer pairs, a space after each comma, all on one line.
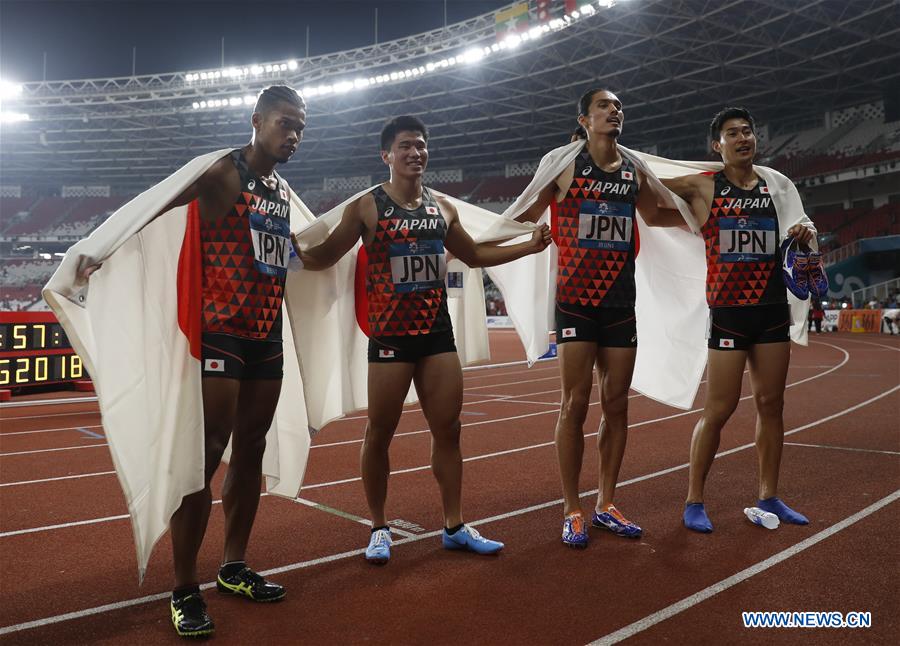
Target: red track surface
[[842, 457]]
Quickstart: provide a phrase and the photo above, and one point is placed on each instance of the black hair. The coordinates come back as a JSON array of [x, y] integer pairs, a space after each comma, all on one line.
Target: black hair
[[579, 133], [271, 96], [584, 103], [715, 128], [400, 124]]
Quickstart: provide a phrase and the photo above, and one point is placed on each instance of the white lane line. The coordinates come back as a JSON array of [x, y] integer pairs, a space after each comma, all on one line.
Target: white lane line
[[62, 448], [343, 555], [51, 430], [347, 515], [72, 477], [689, 602], [18, 417], [841, 448], [878, 345]]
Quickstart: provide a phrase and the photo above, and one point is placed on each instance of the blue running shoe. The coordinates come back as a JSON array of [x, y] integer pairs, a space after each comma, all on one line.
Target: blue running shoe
[[468, 538], [379, 549], [613, 520], [794, 266], [574, 533], [818, 279]]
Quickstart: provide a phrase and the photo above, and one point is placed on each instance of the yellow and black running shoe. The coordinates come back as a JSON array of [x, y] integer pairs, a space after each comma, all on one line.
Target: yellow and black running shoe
[[247, 583], [189, 616]]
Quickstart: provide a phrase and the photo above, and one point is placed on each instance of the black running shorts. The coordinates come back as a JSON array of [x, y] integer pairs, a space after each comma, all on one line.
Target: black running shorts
[[608, 327], [233, 357], [738, 328], [409, 348]]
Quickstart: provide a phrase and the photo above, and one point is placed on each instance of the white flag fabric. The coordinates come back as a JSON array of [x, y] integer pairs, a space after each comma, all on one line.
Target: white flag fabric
[[128, 323], [670, 278], [331, 343]]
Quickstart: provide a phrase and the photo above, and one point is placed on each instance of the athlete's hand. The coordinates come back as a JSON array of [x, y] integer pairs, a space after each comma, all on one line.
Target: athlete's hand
[[85, 272], [541, 238], [802, 233]]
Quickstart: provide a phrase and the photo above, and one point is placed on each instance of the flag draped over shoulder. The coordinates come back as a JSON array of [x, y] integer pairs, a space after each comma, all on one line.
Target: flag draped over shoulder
[[136, 325], [670, 278], [328, 334]]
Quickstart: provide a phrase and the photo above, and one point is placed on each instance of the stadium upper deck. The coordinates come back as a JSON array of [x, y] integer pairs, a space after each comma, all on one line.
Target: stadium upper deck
[[674, 63]]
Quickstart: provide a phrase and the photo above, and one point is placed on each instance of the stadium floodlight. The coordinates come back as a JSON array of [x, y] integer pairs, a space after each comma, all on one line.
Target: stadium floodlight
[[195, 105], [473, 55], [292, 65], [249, 99], [575, 15], [10, 90], [586, 10], [512, 41], [13, 117]]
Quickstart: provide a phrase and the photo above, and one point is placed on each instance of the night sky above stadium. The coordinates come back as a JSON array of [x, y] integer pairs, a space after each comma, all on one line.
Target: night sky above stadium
[[95, 39]]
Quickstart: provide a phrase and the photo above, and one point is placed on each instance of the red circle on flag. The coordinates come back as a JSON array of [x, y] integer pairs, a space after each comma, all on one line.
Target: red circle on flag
[[213, 364]]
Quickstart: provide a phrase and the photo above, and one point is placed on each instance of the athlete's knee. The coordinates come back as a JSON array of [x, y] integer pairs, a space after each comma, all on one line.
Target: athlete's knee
[[614, 402], [377, 438], [769, 404], [248, 448], [447, 435], [716, 413], [575, 406]]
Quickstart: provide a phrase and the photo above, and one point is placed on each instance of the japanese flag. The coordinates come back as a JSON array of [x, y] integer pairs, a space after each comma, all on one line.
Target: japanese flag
[[431, 210], [627, 174], [726, 343], [283, 194], [385, 354], [568, 332], [214, 365], [764, 189]]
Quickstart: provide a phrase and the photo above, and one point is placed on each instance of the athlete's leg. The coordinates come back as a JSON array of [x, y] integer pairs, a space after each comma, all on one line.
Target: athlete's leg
[[768, 374], [724, 374], [388, 385], [576, 365], [240, 492], [615, 367], [438, 380], [188, 523]]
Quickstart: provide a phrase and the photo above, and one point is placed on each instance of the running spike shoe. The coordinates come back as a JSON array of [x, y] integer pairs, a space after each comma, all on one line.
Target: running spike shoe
[[574, 532], [794, 266], [613, 520], [247, 583], [189, 616], [818, 279]]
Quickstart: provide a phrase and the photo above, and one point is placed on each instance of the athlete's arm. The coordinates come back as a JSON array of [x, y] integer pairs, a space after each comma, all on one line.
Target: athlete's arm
[[487, 254], [216, 189], [648, 200], [536, 210], [696, 190], [340, 241]]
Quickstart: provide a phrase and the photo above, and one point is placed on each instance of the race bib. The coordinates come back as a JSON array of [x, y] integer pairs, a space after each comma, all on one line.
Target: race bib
[[418, 265], [747, 239], [605, 225], [271, 244]]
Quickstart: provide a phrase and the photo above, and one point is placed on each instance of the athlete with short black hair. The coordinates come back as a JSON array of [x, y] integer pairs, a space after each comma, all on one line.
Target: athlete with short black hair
[[405, 229], [749, 318]]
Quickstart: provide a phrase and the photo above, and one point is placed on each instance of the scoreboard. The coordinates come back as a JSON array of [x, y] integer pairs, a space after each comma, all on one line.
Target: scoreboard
[[34, 350]]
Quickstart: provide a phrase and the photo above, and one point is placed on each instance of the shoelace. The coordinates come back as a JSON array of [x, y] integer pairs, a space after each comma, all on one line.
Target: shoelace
[[250, 575], [381, 537], [576, 523], [473, 533], [193, 602]]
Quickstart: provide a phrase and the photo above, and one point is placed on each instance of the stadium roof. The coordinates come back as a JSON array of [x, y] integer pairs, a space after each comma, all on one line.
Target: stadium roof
[[674, 63]]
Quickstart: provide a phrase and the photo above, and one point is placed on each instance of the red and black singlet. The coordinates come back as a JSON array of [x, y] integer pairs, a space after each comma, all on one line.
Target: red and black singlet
[[406, 269], [595, 234], [245, 259], [743, 260]]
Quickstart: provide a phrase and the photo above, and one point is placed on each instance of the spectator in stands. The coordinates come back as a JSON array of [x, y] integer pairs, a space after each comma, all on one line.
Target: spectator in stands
[[595, 327], [816, 316], [750, 318], [892, 320]]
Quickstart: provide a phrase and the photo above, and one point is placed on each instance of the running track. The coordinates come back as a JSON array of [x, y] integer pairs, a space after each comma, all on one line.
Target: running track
[[68, 572]]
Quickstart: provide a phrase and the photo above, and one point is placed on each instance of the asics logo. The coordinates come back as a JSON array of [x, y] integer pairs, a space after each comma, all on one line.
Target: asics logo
[[251, 185], [389, 211], [587, 170], [725, 191]]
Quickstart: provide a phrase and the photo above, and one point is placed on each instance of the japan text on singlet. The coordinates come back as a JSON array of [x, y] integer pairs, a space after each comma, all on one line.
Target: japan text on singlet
[[406, 269], [245, 259], [594, 231], [743, 261]]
